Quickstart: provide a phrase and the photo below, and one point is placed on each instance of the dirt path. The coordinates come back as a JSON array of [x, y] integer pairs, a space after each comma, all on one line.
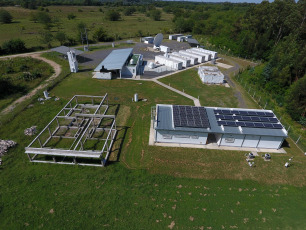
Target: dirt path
[[228, 72], [57, 70]]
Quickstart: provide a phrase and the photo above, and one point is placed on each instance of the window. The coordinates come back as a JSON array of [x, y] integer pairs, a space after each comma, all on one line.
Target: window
[[167, 136], [229, 140], [181, 136]]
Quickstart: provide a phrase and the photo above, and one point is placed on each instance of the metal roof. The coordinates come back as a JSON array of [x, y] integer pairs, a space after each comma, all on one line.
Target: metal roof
[[65, 49], [164, 117], [193, 41], [165, 122], [115, 60]]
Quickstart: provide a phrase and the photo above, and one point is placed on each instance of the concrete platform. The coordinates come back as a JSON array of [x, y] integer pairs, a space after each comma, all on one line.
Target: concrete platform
[[209, 146]]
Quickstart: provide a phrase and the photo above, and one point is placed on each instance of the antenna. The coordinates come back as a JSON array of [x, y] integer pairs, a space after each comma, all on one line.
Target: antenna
[[158, 40]]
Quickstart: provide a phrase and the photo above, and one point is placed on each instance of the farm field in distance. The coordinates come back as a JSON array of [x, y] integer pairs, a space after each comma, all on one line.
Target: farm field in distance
[[146, 186], [127, 27]]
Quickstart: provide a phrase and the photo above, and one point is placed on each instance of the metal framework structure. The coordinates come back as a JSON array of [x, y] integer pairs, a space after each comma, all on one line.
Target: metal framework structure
[[80, 132]]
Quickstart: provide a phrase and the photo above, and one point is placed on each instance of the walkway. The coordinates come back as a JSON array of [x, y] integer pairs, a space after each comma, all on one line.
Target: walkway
[[195, 100]]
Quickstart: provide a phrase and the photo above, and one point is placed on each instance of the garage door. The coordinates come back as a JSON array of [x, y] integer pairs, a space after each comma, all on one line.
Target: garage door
[[250, 141]]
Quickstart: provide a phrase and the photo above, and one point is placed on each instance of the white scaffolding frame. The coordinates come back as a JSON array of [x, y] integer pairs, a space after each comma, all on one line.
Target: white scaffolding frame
[[80, 126]]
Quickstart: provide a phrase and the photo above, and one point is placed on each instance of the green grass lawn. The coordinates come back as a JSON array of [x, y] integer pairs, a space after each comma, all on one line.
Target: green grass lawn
[[126, 28], [145, 186], [209, 95]]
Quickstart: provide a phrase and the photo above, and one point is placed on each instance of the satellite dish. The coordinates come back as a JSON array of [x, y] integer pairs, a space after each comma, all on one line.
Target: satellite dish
[[158, 40]]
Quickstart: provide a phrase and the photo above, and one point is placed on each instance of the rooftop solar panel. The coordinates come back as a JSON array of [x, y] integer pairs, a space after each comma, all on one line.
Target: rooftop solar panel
[[277, 126], [190, 116]]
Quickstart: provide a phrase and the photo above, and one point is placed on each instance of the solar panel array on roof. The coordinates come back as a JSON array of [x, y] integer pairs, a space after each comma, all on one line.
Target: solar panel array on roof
[[190, 116], [249, 119]]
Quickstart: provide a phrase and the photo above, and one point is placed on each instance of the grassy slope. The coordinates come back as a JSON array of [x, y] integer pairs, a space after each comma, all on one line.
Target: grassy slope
[[56, 196], [126, 28], [210, 95]]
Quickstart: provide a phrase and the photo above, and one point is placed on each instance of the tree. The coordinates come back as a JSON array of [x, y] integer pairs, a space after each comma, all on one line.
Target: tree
[[45, 19], [46, 37], [71, 16], [128, 11], [296, 99], [155, 14], [61, 37], [5, 16], [81, 26], [14, 46], [100, 35], [113, 15]]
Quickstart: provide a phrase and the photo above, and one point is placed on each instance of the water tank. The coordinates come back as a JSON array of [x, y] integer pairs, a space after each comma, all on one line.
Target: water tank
[[136, 97], [132, 62]]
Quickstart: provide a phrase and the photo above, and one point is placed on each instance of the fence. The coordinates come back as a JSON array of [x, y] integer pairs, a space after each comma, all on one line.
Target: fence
[[261, 98]]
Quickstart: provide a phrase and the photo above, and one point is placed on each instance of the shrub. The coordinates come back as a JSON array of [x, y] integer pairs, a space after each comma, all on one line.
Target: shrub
[[61, 37], [129, 11], [71, 16], [155, 15], [113, 15], [100, 35], [5, 16], [14, 46]]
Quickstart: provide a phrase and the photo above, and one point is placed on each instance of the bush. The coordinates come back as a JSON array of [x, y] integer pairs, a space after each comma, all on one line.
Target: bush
[[14, 46], [5, 16], [129, 11], [100, 35], [61, 37], [155, 15], [113, 15], [71, 16]]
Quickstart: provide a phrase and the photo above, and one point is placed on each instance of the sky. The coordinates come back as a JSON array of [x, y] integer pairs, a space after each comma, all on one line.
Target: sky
[[232, 1]]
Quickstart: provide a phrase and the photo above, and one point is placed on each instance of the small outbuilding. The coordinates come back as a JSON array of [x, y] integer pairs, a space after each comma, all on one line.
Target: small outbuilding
[[210, 75]]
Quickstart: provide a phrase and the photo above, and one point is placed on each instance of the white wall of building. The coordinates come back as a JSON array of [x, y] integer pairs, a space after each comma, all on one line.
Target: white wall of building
[[199, 138], [193, 60], [232, 140], [207, 57], [200, 58], [176, 65], [251, 141], [186, 63], [270, 142]]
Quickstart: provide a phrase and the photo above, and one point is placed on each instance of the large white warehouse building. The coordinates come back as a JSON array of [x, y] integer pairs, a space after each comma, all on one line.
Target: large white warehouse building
[[214, 55], [250, 128], [193, 60], [169, 62], [201, 58], [210, 75], [207, 56], [185, 62]]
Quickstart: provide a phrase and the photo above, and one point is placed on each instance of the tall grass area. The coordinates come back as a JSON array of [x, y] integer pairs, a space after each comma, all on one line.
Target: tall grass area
[[143, 186], [20, 75], [128, 27]]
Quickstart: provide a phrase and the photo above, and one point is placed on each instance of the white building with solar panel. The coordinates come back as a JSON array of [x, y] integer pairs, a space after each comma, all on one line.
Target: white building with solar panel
[[119, 63], [246, 128]]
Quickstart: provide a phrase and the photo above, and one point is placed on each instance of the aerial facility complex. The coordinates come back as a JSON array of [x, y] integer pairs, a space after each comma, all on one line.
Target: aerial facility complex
[[244, 128]]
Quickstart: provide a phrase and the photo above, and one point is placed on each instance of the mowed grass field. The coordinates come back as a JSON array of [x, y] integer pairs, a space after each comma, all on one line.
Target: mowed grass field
[[145, 186], [127, 27]]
